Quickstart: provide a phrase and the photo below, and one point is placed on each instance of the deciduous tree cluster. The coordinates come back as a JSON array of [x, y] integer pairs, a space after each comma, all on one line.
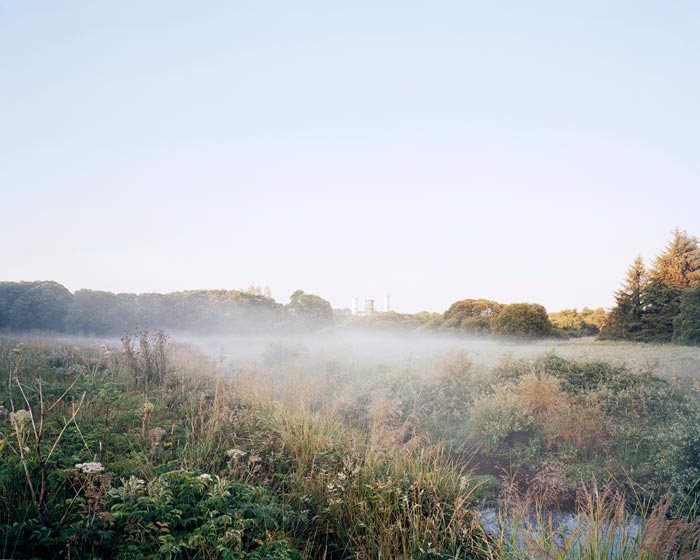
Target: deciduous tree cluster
[[49, 306], [482, 316]]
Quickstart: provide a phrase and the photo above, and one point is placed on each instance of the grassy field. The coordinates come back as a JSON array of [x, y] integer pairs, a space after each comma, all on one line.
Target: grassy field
[[665, 359], [350, 446], [379, 347]]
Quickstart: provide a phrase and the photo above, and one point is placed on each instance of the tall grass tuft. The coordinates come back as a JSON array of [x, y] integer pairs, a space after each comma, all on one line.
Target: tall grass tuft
[[602, 529]]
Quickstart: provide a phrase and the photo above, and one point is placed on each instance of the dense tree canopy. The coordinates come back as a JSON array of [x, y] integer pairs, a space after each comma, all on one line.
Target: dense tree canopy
[[687, 322], [471, 315], [523, 320], [95, 312], [309, 310], [9, 292], [587, 322], [393, 320], [34, 305], [49, 306]]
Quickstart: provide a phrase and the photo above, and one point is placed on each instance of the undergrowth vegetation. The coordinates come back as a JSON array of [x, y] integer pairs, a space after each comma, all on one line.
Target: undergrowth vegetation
[[153, 450]]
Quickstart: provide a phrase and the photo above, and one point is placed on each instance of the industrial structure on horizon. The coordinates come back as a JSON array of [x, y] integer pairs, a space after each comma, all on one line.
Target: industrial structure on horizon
[[369, 307]]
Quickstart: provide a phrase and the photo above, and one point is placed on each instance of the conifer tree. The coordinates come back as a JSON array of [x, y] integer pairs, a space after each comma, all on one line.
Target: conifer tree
[[679, 265], [660, 306], [687, 322], [625, 320], [675, 270]]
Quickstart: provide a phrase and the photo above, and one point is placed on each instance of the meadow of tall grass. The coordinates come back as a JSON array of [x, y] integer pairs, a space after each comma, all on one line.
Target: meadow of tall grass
[[153, 450]]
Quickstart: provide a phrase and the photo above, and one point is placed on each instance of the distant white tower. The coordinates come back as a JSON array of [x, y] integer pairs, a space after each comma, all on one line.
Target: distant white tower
[[354, 306], [386, 303]]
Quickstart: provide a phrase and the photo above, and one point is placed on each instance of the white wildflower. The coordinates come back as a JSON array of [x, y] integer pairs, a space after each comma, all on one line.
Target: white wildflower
[[235, 454], [90, 468], [20, 419]]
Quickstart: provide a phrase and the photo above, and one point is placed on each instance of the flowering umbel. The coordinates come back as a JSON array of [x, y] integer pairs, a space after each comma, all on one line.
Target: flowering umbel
[[90, 468]]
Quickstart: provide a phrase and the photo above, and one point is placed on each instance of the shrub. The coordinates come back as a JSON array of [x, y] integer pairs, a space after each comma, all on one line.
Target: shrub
[[184, 515], [498, 418], [541, 394], [147, 359]]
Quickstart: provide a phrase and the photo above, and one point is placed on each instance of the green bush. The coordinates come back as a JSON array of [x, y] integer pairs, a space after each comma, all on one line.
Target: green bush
[[184, 515], [499, 419]]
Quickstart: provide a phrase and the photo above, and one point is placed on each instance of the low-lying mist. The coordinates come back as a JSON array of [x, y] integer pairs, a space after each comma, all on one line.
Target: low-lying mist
[[385, 349], [364, 348], [382, 349]]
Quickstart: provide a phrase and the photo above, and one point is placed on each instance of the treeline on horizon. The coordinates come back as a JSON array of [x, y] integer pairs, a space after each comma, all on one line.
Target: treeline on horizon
[[50, 307], [484, 317], [661, 304]]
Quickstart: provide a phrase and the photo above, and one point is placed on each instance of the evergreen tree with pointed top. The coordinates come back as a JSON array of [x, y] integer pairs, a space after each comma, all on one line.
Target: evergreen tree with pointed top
[[625, 319], [676, 269], [679, 265]]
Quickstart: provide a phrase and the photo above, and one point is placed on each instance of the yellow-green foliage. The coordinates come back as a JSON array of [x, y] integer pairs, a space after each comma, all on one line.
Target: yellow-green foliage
[[499, 415], [587, 322]]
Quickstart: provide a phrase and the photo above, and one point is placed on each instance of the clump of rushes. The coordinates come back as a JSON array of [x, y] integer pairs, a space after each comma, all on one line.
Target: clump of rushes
[[416, 503], [378, 499], [601, 528]]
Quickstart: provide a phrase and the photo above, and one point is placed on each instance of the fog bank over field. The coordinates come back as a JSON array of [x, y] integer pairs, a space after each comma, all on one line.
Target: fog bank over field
[[354, 348], [351, 349], [365, 348]]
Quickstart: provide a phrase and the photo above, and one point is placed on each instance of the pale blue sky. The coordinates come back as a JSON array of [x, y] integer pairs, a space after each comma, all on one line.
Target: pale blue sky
[[517, 151]]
